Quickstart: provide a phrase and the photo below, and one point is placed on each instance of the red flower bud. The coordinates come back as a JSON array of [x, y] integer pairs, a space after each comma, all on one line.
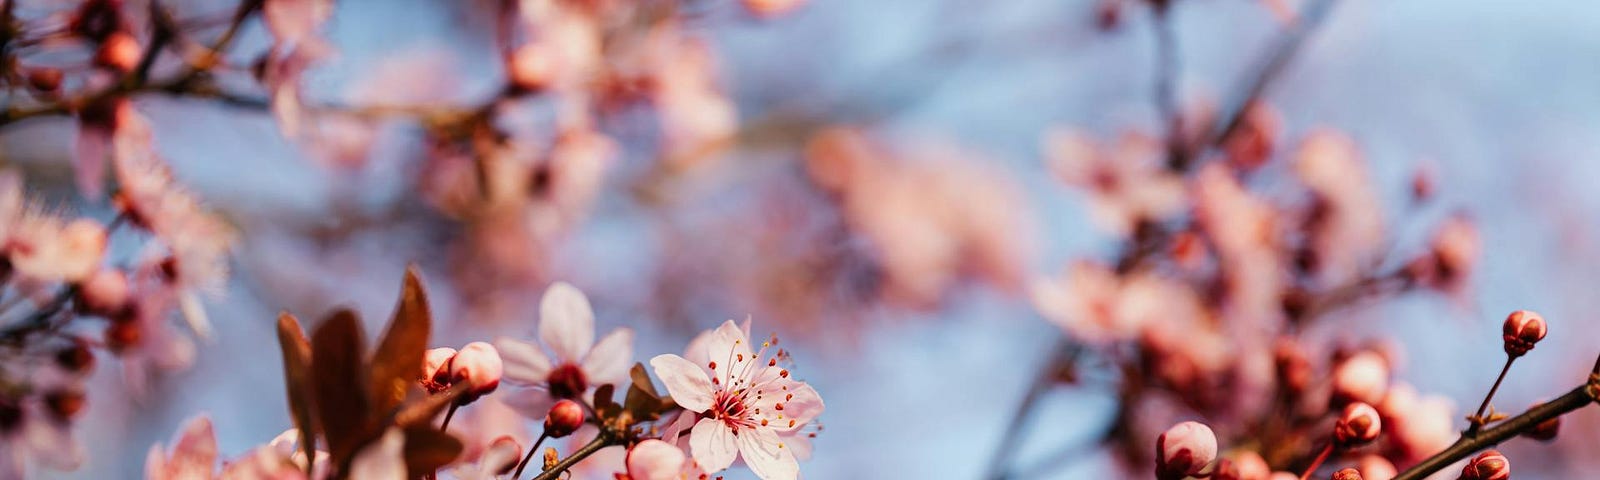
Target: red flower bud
[[1489, 465], [1523, 328], [1185, 450], [75, 358], [45, 79], [65, 404], [1347, 474], [564, 418], [1358, 425]]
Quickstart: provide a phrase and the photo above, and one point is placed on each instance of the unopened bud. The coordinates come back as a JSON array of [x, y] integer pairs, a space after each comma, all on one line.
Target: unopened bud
[[532, 67], [1347, 474], [436, 367], [65, 404], [104, 293], [1363, 377], [1489, 465], [1523, 328], [1185, 450], [502, 453], [551, 458], [564, 418], [45, 79], [75, 358], [477, 364], [123, 333], [1545, 431], [1357, 426], [654, 460], [119, 52], [1376, 467]]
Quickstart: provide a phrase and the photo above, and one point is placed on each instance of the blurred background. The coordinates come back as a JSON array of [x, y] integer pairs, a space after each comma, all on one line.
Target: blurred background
[[1501, 100]]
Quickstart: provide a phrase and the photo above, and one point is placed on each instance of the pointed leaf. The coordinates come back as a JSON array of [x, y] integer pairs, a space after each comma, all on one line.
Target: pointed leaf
[[427, 449], [297, 379], [641, 405], [641, 379], [423, 411], [397, 363], [603, 397], [339, 377]]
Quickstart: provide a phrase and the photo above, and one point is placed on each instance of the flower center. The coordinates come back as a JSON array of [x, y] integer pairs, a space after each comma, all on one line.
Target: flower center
[[729, 408], [567, 382]]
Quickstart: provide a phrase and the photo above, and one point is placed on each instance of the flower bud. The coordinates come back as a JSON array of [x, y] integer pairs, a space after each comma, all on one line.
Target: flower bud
[[1357, 426], [1185, 450], [1250, 466], [1545, 431], [65, 404], [477, 364], [75, 358], [104, 293], [654, 460], [1347, 474], [1364, 377], [501, 455], [1376, 467], [119, 52], [45, 79], [532, 68], [436, 364], [122, 334], [1489, 465], [1523, 328], [564, 418]]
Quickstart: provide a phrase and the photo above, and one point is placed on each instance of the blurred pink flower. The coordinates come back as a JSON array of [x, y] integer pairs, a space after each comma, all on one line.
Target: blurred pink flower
[[1096, 305], [1346, 230], [749, 407], [47, 249], [1127, 182], [29, 431], [566, 327], [144, 340], [193, 455], [296, 46], [500, 454]]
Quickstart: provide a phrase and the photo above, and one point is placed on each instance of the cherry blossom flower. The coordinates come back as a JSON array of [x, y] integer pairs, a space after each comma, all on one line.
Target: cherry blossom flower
[[143, 339], [1127, 182], [1096, 305], [654, 459], [193, 455], [1347, 222], [576, 363], [48, 249], [296, 46], [748, 406]]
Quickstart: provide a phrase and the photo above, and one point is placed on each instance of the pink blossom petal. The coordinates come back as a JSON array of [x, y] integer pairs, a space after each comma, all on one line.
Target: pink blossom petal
[[799, 444], [89, 162], [194, 455], [713, 444], [610, 358], [566, 322], [729, 347], [767, 455], [155, 464], [686, 382], [524, 363], [381, 460], [531, 403]]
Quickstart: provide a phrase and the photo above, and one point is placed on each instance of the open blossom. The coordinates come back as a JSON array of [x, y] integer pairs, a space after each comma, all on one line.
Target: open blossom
[[1347, 226], [143, 337], [48, 249], [748, 406], [566, 327], [30, 431], [654, 459]]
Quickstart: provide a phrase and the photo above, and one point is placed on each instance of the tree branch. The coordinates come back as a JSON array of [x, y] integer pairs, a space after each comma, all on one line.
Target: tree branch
[[602, 441], [1579, 397]]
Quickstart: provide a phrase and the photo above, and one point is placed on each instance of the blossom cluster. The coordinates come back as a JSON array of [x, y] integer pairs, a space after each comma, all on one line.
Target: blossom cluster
[[727, 401]]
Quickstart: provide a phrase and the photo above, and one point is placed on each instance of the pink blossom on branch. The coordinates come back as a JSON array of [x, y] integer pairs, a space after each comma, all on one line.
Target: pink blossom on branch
[[576, 364]]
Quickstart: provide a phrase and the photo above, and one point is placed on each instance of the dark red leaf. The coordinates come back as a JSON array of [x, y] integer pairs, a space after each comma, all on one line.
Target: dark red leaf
[[641, 379], [427, 449], [397, 363], [297, 379], [339, 379], [423, 411]]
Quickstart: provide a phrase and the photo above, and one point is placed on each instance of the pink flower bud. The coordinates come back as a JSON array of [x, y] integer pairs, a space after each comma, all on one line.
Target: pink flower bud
[[479, 365], [654, 460], [532, 67], [503, 453], [119, 52], [75, 358], [1347, 474], [1489, 465], [1358, 425], [436, 364], [104, 293], [1363, 377], [1523, 328], [1251, 466], [564, 418], [45, 79], [1185, 450]]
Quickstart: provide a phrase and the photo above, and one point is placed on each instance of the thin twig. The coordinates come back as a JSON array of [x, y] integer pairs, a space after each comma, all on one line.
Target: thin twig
[[1477, 419], [999, 464], [604, 440]]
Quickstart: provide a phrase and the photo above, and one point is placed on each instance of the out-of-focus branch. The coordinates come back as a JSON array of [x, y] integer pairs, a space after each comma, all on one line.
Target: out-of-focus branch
[[1579, 397], [999, 465], [1233, 112]]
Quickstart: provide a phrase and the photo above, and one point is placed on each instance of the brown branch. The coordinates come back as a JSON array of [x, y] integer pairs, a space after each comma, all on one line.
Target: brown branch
[[604, 440], [1579, 397]]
